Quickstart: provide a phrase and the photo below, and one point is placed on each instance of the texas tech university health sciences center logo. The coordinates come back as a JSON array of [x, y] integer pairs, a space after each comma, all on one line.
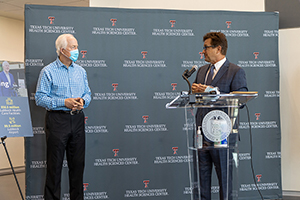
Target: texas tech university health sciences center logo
[[83, 53], [113, 21], [172, 22], [146, 191], [89, 194], [146, 126], [51, 19], [228, 23]]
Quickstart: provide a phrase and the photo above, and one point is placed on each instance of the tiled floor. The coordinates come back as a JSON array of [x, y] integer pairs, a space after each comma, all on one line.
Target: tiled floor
[[9, 189]]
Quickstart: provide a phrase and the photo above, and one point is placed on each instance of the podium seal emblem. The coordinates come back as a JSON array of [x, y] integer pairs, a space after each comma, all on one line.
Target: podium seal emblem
[[216, 126]]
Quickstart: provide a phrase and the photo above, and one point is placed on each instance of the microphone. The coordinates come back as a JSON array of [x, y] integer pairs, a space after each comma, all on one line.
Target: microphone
[[187, 73]]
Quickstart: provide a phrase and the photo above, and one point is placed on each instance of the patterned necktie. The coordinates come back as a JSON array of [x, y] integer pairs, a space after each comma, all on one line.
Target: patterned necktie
[[210, 75]]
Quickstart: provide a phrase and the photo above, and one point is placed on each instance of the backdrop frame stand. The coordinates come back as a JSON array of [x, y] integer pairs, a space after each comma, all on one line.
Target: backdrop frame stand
[[12, 168]]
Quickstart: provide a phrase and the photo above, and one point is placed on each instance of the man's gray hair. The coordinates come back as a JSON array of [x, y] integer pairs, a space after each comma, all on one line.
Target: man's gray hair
[[5, 62], [61, 42]]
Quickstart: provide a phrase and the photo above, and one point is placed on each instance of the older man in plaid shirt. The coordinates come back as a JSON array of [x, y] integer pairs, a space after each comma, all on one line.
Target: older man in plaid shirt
[[63, 91]]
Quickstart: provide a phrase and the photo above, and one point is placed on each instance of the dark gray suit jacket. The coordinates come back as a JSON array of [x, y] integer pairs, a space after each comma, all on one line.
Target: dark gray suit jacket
[[230, 77]]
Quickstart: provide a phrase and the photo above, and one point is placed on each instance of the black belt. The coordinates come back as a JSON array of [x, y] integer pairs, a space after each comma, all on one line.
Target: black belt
[[71, 112]]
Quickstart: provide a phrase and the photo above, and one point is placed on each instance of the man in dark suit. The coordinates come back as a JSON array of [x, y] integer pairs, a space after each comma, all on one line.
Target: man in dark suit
[[227, 77], [6, 81]]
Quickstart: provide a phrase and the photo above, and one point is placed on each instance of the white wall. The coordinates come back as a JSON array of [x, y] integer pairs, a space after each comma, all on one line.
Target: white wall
[[236, 5], [289, 107], [11, 39]]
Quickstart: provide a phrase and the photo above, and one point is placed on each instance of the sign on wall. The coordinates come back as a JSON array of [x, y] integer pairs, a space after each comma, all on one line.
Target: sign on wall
[[15, 120]]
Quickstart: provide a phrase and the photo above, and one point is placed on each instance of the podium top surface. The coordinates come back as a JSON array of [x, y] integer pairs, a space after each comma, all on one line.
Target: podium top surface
[[207, 100]]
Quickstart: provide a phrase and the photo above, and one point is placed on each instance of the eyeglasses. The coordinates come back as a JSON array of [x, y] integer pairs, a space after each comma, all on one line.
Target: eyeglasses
[[205, 47]]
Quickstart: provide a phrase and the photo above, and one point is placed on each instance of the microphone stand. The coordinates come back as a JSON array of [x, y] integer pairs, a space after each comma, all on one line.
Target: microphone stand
[[185, 77], [12, 168]]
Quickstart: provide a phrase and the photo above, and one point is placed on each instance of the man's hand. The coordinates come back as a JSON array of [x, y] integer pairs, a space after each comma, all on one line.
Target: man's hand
[[196, 88], [81, 102], [74, 103]]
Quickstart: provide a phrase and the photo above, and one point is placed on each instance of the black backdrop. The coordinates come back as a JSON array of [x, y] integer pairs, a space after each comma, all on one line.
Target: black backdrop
[[134, 60]]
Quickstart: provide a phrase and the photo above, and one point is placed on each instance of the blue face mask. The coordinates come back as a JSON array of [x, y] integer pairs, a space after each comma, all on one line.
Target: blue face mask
[[74, 55]]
